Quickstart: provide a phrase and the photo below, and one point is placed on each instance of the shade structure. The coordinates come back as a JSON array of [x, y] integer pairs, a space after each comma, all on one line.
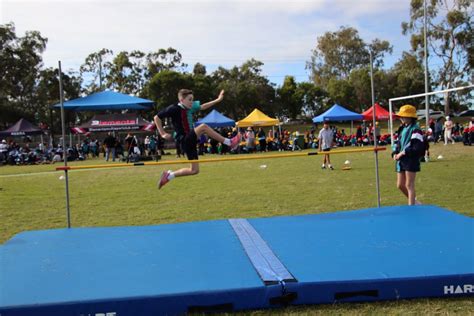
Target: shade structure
[[381, 114], [216, 119], [107, 100], [115, 122], [338, 113], [21, 128], [257, 118]]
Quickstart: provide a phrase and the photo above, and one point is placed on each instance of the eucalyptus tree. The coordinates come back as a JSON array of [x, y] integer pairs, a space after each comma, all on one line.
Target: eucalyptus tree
[[164, 86], [20, 64], [47, 94], [339, 64], [127, 72], [450, 40], [338, 53], [287, 100], [95, 69], [312, 98], [164, 59], [246, 88]]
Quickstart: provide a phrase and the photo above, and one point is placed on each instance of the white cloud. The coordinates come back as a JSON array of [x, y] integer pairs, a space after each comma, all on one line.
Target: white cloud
[[214, 32]]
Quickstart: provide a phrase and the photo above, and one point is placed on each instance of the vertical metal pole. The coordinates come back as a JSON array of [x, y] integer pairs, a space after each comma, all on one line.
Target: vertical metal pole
[[51, 126], [391, 122], [373, 132], [427, 105], [100, 72], [373, 97], [63, 126]]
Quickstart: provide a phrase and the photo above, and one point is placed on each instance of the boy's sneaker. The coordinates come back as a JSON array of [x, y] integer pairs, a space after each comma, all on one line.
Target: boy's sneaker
[[164, 179], [234, 142], [330, 167], [323, 166]]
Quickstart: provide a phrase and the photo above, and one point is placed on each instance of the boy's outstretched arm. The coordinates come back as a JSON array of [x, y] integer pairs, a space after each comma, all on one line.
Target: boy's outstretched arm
[[207, 105]]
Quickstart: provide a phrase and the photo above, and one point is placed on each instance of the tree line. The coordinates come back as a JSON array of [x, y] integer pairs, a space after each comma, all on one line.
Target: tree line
[[338, 67]]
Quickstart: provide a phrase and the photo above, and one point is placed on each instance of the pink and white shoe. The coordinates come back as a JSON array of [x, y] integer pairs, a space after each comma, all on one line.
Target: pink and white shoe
[[234, 142], [164, 179]]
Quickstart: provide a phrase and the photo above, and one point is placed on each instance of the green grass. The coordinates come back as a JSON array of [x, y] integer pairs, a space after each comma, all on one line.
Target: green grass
[[32, 198]]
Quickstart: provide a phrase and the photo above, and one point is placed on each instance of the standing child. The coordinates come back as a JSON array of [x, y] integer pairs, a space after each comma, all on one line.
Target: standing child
[[181, 115], [326, 140], [448, 130], [408, 151]]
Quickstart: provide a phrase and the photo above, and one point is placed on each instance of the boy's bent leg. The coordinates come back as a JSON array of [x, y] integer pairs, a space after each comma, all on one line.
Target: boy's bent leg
[[167, 176], [205, 129], [193, 170]]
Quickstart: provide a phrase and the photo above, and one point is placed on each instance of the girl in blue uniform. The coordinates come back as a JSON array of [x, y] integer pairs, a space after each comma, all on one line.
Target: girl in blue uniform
[[407, 153]]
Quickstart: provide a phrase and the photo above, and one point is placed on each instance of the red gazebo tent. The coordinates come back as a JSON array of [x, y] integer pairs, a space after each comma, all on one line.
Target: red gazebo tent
[[380, 113]]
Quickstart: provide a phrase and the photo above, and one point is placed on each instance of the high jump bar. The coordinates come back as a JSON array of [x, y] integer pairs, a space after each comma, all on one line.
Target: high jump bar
[[242, 157]]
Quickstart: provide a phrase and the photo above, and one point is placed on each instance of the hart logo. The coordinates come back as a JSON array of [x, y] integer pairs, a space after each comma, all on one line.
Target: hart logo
[[97, 314], [452, 289]]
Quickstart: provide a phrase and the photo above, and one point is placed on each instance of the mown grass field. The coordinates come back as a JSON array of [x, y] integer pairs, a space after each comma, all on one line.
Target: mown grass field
[[33, 198]]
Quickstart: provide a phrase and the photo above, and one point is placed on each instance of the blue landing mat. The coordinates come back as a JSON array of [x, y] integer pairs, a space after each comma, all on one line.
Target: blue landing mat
[[366, 255]]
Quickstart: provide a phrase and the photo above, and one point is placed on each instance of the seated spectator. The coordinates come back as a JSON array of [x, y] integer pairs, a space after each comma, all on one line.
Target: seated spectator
[[353, 140], [57, 157], [365, 141]]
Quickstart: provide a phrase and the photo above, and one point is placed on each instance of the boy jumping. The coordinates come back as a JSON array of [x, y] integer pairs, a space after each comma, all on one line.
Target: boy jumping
[[186, 136]]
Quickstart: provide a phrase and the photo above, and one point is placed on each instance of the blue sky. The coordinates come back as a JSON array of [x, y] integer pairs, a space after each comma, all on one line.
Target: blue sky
[[279, 33]]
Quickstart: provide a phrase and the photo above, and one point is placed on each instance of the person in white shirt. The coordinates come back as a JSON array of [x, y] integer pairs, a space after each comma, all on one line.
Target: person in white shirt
[[3, 150], [326, 141], [448, 128], [3, 146]]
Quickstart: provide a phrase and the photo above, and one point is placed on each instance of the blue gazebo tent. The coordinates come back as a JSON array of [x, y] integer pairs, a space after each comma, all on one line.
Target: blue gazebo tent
[[216, 119], [107, 100], [338, 113]]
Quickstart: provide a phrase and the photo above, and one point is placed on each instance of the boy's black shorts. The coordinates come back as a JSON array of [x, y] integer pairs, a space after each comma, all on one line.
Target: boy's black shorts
[[189, 145]]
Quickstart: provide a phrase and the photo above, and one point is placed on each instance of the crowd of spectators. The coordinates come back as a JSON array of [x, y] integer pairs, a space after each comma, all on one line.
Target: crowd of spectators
[[257, 140], [133, 148], [130, 148], [459, 133], [13, 153]]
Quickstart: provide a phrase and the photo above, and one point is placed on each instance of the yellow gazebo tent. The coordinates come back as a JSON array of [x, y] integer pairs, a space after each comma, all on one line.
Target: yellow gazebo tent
[[257, 118]]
